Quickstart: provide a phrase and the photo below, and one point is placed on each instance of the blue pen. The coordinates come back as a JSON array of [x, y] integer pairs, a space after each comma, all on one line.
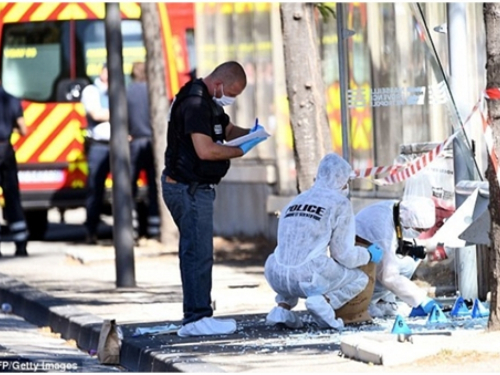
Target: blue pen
[[255, 126]]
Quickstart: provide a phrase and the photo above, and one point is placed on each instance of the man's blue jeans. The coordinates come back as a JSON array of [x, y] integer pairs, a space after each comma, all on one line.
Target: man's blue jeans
[[193, 215]]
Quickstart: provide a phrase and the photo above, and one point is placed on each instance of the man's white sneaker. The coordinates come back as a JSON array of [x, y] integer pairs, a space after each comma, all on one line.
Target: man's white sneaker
[[323, 313], [208, 326], [280, 315]]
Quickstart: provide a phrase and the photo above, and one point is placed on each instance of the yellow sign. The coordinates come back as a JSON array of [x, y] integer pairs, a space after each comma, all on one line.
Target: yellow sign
[[20, 53]]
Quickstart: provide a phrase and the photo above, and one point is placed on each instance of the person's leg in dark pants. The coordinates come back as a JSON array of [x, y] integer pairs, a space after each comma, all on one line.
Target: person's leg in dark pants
[[98, 162], [142, 158], [135, 164], [135, 169], [13, 209], [153, 210]]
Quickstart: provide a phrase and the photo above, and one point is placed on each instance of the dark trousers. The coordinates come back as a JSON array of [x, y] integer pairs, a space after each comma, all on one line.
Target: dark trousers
[[142, 158], [10, 185], [193, 215], [99, 167]]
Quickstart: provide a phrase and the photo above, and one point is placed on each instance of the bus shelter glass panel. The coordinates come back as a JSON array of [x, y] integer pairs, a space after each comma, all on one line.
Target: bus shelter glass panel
[[405, 90], [242, 32], [395, 75]]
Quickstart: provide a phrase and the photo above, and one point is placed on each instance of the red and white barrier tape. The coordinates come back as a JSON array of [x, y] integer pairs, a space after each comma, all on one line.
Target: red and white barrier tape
[[399, 173], [415, 165], [375, 171]]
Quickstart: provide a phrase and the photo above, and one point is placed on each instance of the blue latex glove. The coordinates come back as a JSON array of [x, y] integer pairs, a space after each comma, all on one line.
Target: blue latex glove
[[375, 253], [427, 304], [256, 127], [248, 145], [425, 308]]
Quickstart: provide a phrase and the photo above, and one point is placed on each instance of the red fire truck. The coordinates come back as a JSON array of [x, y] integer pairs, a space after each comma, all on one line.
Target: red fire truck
[[50, 51]]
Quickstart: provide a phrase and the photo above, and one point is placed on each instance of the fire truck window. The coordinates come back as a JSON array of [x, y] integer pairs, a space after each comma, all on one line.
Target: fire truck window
[[91, 43], [32, 59]]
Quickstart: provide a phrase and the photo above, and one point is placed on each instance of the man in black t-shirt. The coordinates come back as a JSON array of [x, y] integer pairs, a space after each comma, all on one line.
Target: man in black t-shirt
[[12, 118], [195, 160]]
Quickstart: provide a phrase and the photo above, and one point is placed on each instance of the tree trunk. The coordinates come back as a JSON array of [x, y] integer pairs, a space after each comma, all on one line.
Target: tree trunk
[[305, 89], [158, 106], [492, 25]]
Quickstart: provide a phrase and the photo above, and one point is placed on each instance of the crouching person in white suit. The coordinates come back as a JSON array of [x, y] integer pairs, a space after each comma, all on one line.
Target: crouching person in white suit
[[316, 257], [387, 223]]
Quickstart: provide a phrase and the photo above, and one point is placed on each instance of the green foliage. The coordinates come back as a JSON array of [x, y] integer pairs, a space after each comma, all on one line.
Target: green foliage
[[326, 11]]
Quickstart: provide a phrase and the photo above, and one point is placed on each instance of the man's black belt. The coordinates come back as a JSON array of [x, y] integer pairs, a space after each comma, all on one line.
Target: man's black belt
[[193, 186]]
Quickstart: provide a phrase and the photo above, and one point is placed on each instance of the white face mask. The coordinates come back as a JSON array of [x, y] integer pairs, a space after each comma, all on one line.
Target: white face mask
[[223, 100], [410, 233]]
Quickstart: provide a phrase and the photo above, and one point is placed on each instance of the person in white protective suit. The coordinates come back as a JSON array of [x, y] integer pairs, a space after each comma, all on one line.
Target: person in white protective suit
[[316, 257], [378, 223]]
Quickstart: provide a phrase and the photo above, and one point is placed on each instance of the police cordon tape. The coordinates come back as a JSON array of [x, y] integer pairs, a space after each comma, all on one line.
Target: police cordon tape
[[400, 173]]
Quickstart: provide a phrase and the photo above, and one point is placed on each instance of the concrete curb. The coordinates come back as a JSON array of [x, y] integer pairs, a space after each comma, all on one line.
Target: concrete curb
[[42, 309], [386, 350]]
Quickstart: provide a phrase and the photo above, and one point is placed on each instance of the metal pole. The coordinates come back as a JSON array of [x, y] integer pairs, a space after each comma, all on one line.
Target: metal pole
[[120, 153], [342, 35], [465, 257]]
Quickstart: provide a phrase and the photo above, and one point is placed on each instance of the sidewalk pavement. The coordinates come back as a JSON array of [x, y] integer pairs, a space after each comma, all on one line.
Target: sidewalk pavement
[[71, 289], [28, 348]]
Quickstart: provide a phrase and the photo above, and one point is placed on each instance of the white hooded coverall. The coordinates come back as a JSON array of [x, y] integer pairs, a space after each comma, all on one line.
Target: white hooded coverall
[[375, 223], [316, 254]]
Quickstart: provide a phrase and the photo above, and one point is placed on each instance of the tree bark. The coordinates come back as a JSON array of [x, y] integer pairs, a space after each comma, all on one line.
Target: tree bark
[[158, 106], [305, 89], [492, 24]]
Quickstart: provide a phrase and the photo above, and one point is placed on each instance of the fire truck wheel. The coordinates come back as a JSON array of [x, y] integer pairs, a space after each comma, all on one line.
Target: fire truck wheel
[[37, 221]]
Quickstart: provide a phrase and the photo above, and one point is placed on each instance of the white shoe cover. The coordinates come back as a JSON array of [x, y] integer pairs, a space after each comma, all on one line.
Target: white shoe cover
[[280, 315], [208, 326], [323, 313], [388, 308], [383, 309], [374, 311]]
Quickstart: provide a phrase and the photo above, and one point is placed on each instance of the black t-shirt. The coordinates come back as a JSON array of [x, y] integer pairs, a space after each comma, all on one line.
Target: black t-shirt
[[10, 111], [194, 114]]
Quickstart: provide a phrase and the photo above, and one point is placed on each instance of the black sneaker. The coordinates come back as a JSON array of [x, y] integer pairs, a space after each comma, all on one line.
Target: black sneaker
[[21, 250]]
